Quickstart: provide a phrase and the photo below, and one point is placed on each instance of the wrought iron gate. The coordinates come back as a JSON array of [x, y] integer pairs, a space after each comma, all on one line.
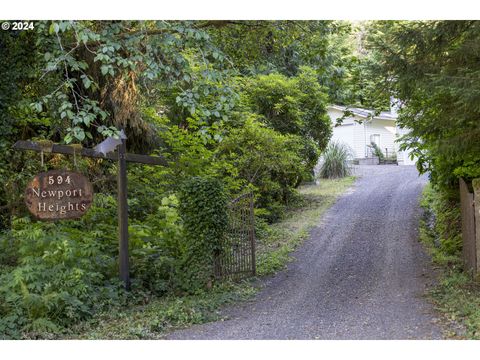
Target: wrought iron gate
[[236, 258]]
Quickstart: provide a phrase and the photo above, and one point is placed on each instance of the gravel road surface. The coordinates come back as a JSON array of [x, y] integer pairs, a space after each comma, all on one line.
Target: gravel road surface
[[361, 275]]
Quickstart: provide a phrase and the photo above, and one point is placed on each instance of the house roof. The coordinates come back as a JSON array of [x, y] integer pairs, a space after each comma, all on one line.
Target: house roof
[[365, 113]]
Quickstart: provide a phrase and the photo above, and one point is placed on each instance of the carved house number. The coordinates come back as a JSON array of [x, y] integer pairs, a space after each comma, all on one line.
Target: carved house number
[[58, 194]]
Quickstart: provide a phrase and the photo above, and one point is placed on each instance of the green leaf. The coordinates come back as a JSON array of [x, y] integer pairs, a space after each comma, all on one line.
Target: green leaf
[[79, 133], [86, 81], [54, 28]]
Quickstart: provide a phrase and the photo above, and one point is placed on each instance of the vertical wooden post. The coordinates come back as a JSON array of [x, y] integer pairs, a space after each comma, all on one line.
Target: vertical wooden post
[[476, 208], [469, 246], [123, 215]]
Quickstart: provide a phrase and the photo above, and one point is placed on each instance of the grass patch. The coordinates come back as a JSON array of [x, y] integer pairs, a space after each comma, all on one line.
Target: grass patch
[[457, 295], [275, 243], [159, 317]]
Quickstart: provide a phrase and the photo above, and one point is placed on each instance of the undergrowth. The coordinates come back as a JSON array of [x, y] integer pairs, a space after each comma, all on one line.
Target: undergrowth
[[456, 295], [159, 317]]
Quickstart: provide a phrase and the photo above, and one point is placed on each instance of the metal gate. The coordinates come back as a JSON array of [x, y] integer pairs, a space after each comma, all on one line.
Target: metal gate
[[236, 258]]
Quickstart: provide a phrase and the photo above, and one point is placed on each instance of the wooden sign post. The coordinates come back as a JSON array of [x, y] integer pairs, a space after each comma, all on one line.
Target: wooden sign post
[[122, 157], [123, 216]]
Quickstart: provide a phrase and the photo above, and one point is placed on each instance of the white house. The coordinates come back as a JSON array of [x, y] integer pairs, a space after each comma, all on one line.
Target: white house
[[363, 127]]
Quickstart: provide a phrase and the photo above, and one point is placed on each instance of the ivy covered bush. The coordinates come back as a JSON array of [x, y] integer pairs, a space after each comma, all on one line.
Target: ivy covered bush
[[203, 209]]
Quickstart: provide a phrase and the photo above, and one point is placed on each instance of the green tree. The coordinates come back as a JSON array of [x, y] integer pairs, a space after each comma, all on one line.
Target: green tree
[[433, 68], [283, 46], [102, 72], [295, 105]]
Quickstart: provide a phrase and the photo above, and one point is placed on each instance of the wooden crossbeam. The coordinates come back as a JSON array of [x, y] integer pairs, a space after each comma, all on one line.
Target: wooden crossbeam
[[69, 150]]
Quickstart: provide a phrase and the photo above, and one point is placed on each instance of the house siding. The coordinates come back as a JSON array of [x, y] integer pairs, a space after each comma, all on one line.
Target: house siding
[[345, 132], [359, 139]]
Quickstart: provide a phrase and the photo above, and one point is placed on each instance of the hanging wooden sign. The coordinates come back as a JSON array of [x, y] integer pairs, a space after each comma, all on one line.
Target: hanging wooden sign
[[58, 194]]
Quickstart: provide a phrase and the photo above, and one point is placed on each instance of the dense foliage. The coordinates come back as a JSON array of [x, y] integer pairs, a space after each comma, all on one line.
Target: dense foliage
[[59, 274], [377, 151], [432, 68], [443, 223], [293, 105]]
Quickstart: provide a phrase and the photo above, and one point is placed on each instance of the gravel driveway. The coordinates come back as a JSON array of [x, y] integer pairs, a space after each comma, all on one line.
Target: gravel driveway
[[361, 274]]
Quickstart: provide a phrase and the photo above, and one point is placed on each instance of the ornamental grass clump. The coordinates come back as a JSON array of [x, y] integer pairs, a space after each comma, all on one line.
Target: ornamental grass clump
[[335, 161]]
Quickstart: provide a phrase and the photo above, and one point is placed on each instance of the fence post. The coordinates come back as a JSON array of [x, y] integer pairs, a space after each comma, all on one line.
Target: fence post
[[252, 235], [476, 212], [469, 244]]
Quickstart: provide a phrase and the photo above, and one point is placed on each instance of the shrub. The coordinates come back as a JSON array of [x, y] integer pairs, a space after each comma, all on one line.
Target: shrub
[[156, 248], [203, 210], [270, 163], [64, 274], [377, 151], [335, 161], [444, 222]]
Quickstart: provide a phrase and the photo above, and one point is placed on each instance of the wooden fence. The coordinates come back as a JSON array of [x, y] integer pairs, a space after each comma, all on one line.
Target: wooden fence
[[470, 211]]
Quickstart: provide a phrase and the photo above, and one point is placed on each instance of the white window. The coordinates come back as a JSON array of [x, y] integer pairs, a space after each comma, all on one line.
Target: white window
[[375, 138]]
